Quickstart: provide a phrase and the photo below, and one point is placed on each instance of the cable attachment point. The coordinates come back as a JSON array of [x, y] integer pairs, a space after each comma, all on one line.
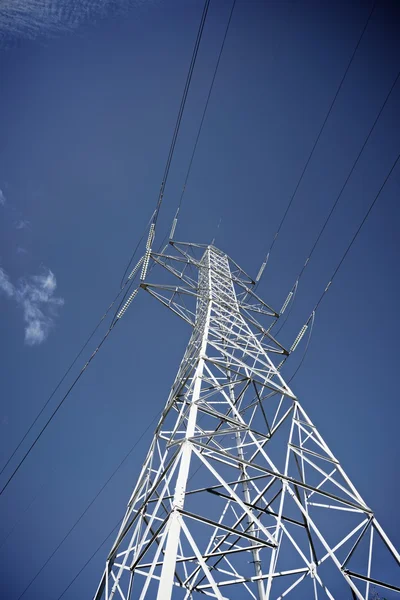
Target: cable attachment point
[[136, 268], [261, 271], [298, 338], [302, 332], [145, 266], [174, 222], [150, 237], [127, 303], [146, 259], [285, 304]]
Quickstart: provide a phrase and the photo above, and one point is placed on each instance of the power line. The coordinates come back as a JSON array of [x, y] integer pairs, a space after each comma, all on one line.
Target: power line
[[111, 476], [77, 356], [86, 510], [291, 296], [83, 513], [203, 115], [181, 110], [60, 382], [135, 251], [55, 411], [357, 232], [311, 318], [264, 264], [350, 174], [305, 349], [153, 220], [21, 514], [189, 76], [113, 323], [89, 559]]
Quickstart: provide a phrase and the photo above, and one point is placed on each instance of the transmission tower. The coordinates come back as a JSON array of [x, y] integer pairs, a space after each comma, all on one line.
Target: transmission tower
[[239, 495]]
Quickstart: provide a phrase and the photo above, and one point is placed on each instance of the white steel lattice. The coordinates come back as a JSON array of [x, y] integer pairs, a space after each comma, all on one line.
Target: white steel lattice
[[239, 495]]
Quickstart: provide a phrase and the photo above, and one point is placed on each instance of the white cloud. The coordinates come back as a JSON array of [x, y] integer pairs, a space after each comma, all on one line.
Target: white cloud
[[2, 198], [29, 18], [35, 295], [5, 284], [22, 224]]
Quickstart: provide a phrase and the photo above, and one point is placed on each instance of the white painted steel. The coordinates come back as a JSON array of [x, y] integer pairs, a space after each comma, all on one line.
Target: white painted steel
[[239, 495]]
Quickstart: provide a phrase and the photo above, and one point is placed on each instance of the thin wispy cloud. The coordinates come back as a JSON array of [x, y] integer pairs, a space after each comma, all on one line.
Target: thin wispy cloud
[[5, 284], [22, 224], [36, 296], [12, 213], [30, 18], [40, 306]]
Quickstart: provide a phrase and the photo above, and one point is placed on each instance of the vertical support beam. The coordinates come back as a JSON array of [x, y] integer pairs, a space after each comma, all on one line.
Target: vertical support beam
[[174, 522], [371, 537], [246, 494]]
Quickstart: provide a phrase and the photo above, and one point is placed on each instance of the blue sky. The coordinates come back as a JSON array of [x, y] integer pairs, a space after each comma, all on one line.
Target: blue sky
[[87, 108]]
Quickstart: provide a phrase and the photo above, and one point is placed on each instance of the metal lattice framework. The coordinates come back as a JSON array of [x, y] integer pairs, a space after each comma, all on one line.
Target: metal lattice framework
[[239, 495]]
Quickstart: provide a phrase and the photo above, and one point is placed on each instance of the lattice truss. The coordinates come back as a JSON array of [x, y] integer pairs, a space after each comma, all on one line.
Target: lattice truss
[[239, 495]]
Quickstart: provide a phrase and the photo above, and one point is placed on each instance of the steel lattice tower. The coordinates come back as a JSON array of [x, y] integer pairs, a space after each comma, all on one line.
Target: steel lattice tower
[[239, 495]]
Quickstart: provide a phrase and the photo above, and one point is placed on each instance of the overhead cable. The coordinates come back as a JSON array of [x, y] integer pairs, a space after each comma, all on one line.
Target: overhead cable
[[59, 383], [115, 320], [311, 318], [357, 232], [89, 559], [292, 293], [181, 110], [175, 220], [118, 313], [23, 512], [310, 325], [157, 416], [265, 261], [124, 283], [145, 263], [55, 411], [134, 253], [93, 500]]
